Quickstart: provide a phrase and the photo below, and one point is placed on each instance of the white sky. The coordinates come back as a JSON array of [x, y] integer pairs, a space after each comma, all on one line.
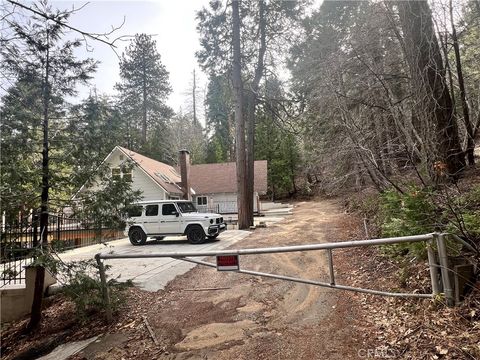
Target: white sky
[[171, 21]]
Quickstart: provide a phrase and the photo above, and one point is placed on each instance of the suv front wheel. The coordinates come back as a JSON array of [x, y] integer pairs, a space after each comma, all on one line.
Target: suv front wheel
[[137, 236], [195, 234]]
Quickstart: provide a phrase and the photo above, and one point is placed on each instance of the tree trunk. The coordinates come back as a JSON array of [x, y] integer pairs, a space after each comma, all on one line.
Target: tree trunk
[[250, 155], [37, 304], [194, 100], [433, 102], [144, 105], [36, 312], [251, 107], [243, 221], [463, 97]]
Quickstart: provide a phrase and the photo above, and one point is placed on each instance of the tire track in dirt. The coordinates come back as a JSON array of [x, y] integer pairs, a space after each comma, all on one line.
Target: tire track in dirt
[[259, 318]]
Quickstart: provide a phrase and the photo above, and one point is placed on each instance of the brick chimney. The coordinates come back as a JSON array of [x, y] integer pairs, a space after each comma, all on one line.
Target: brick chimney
[[184, 162]]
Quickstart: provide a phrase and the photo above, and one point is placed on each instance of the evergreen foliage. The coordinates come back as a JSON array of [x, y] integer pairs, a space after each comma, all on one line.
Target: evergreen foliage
[[143, 90]]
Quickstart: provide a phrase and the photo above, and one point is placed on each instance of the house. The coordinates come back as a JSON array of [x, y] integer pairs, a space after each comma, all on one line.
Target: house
[[212, 187], [215, 186]]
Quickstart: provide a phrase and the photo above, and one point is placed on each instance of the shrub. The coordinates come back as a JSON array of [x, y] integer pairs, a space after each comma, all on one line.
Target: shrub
[[82, 283], [411, 213], [425, 210], [84, 288]]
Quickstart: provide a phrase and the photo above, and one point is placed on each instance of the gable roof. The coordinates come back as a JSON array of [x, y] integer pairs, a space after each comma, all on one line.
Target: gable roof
[[222, 177], [163, 174]]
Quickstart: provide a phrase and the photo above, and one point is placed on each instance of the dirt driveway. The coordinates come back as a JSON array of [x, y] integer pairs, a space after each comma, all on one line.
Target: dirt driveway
[[247, 317]]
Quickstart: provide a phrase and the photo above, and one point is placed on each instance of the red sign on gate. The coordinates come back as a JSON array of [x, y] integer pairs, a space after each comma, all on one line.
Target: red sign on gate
[[227, 263]]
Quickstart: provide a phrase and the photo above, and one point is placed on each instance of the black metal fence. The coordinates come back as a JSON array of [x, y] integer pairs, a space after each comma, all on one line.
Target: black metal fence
[[18, 240]]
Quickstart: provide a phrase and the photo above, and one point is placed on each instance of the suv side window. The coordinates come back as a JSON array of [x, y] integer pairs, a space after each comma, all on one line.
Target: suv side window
[[151, 210], [168, 209]]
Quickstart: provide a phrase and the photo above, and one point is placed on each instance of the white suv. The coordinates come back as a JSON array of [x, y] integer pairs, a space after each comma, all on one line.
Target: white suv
[[160, 218]]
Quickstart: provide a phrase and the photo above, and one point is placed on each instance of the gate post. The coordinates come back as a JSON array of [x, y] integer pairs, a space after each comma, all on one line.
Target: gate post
[[442, 256], [432, 263], [330, 266]]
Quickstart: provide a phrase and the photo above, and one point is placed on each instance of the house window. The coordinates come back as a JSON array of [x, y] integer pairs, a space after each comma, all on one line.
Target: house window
[[116, 174], [151, 210], [169, 209], [127, 175], [202, 200]]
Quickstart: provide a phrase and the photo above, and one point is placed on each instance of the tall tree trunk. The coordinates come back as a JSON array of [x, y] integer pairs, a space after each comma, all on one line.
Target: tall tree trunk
[[194, 95], [433, 102], [144, 105], [243, 221], [36, 310], [251, 107], [463, 96]]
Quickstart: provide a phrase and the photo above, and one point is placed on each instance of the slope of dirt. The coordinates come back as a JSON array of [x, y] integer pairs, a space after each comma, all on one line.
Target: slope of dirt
[[259, 318], [243, 317]]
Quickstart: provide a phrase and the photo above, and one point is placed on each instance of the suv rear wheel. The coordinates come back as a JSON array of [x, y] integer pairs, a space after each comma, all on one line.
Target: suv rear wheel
[[137, 236], [195, 234]]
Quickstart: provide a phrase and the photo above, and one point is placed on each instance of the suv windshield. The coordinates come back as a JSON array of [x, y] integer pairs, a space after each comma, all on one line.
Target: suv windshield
[[186, 207]]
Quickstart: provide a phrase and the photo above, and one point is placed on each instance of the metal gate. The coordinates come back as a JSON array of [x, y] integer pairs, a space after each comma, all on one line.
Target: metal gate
[[436, 250], [19, 239]]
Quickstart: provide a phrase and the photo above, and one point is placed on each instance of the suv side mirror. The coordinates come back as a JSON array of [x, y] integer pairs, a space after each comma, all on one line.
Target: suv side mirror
[[175, 213]]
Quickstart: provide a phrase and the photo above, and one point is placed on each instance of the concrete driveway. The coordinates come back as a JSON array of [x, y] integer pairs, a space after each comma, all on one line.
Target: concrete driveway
[[151, 274]]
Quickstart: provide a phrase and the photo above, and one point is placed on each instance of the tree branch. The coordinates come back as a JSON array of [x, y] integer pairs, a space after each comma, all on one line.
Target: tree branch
[[92, 36]]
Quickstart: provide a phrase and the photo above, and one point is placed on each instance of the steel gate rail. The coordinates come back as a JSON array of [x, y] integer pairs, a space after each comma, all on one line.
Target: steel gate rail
[[434, 262]]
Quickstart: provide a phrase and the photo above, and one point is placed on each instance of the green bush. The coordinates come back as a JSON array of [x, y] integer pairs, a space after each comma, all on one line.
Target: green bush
[[85, 290], [463, 215], [420, 211], [82, 283], [411, 213]]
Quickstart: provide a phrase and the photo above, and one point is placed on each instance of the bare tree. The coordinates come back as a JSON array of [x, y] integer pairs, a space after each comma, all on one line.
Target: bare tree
[[463, 97]]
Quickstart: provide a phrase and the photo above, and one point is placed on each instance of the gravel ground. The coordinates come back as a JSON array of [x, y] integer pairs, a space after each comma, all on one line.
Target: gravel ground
[[205, 314]]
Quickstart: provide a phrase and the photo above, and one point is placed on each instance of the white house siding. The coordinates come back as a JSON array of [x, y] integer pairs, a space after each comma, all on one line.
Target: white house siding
[[224, 203], [151, 191], [140, 180]]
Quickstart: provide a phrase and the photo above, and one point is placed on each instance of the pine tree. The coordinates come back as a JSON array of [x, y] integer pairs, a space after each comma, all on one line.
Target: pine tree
[[276, 144], [143, 89], [39, 51], [219, 122], [97, 127], [247, 42]]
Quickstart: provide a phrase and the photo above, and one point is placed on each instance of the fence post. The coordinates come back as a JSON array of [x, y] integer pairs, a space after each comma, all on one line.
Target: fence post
[[58, 228], [330, 266], [35, 230], [442, 257], [432, 263], [105, 295]]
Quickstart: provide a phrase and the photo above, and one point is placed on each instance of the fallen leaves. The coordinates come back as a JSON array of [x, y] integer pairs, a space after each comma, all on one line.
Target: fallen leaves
[[409, 328]]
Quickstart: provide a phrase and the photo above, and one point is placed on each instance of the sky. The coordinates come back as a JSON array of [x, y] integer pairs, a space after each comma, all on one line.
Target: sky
[[171, 22]]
